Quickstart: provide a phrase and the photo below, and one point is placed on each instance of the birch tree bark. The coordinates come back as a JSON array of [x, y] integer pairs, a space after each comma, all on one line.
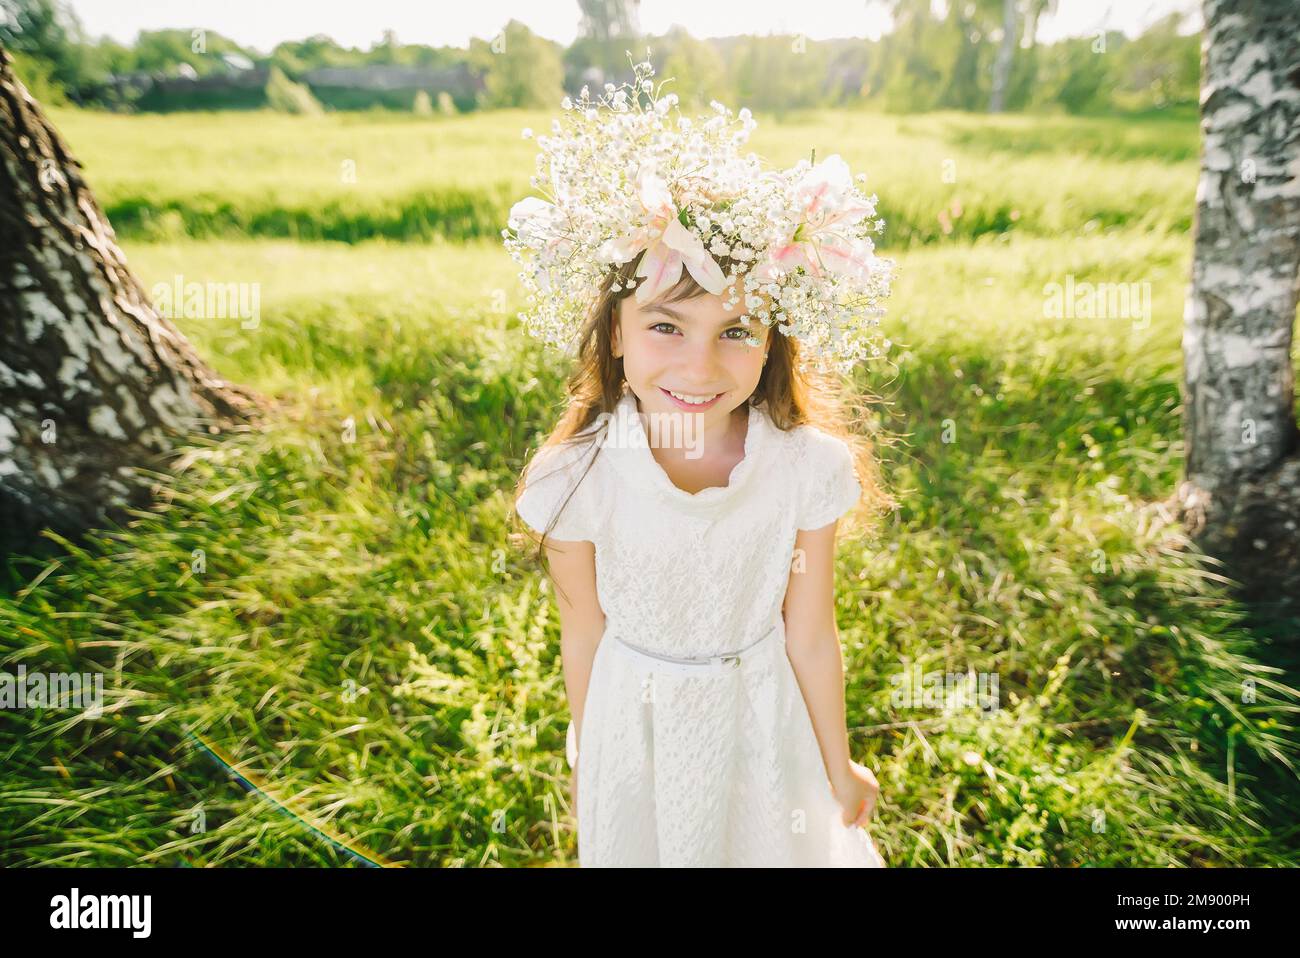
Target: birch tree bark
[[1240, 498], [94, 384], [1002, 65]]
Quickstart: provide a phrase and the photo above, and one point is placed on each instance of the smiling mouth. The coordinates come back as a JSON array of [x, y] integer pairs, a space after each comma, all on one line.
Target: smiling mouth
[[691, 399]]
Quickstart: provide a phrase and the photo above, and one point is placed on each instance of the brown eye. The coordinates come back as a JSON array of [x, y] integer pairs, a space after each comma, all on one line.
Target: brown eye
[[669, 325]]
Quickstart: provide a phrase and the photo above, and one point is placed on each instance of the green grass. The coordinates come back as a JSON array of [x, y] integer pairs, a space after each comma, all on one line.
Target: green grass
[[338, 605], [411, 178]]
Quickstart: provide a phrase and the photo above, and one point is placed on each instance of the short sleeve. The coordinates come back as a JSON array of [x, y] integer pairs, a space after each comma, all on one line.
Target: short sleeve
[[552, 474], [830, 486]]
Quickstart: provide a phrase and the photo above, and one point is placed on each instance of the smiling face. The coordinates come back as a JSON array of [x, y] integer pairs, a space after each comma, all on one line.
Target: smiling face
[[696, 348]]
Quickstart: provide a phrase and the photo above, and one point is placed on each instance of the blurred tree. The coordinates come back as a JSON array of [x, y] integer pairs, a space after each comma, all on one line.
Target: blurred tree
[[597, 62], [1019, 24], [285, 96], [606, 31], [48, 31], [1078, 77], [387, 50], [114, 57], [1241, 494], [296, 57], [98, 388], [1158, 69], [38, 77], [698, 72], [959, 54], [609, 19], [163, 51], [853, 70], [915, 58], [970, 23], [519, 68], [778, 73]]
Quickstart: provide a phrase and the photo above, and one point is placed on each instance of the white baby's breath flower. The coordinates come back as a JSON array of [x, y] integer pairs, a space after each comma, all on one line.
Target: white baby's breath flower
[[602, 210]]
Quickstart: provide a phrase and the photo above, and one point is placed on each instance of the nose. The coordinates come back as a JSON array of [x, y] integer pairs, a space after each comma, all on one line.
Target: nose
[[700, 364]]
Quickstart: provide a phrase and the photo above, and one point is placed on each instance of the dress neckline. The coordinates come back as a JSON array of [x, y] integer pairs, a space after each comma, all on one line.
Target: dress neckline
[[639, 460]]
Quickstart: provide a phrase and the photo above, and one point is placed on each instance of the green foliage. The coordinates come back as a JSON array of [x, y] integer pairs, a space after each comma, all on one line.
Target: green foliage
[[296, 57], [285, 96], [52, 44], [777, 73], [520, 69], [161, 51], [38, 77], [1079, 83], [936, 58], [698, 72]]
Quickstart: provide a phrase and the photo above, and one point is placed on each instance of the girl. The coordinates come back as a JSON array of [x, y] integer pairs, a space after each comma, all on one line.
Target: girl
[[688, 503]]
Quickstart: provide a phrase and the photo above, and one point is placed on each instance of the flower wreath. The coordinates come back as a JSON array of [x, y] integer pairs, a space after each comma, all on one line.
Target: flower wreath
[[622, 178]]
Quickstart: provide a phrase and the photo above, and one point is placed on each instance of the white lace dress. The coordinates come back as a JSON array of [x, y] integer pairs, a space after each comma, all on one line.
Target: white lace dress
[[677, 769]]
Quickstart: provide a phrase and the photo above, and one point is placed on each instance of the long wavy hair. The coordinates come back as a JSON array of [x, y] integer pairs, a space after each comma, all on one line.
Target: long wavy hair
[[792, 399]]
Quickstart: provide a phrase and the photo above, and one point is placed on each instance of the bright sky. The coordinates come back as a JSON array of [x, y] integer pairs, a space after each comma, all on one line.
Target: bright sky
[[261, 24]]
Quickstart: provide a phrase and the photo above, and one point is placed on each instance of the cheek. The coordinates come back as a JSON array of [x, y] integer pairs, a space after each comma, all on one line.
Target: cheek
[[750, 356], [747, 361], [647, 348]]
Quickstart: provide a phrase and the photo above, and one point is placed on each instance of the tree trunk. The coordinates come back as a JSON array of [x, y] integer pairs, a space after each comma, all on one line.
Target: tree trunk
[[1241, 493], [93, 382], [1002, 65]]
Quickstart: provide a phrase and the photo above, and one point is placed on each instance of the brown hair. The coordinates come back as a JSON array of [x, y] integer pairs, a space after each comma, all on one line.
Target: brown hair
[[793, 398]]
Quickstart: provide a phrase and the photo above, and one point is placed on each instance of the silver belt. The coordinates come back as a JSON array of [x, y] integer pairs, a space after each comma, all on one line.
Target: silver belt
[[671, 664], [689, 665]]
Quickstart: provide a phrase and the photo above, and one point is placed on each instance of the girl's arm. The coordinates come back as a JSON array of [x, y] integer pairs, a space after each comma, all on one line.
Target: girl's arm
[[813, 646], [582, 621]]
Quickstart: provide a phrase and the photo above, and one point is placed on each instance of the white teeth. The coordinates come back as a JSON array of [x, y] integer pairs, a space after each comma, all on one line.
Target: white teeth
[[693, 400]]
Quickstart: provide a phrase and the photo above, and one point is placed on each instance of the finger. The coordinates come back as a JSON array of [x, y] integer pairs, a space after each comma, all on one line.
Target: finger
[[868, 809], [857, 816]]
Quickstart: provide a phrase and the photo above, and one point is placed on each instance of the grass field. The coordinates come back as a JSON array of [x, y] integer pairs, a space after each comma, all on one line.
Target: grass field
[[333, 603]]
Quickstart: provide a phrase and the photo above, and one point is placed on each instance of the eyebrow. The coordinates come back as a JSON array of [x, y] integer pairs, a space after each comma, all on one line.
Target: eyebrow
[[668, 310]]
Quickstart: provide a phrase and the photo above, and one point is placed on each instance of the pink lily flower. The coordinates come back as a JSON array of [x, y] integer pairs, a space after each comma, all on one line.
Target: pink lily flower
[[669, 245], [826, 192], [819, 244]]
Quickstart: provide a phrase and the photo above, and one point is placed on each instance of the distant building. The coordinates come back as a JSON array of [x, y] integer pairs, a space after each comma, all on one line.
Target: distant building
[[237, 61], [239, 84], [459, 81]]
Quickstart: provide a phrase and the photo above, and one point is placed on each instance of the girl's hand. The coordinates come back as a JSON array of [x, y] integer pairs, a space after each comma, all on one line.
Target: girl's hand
[[856, 792]]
